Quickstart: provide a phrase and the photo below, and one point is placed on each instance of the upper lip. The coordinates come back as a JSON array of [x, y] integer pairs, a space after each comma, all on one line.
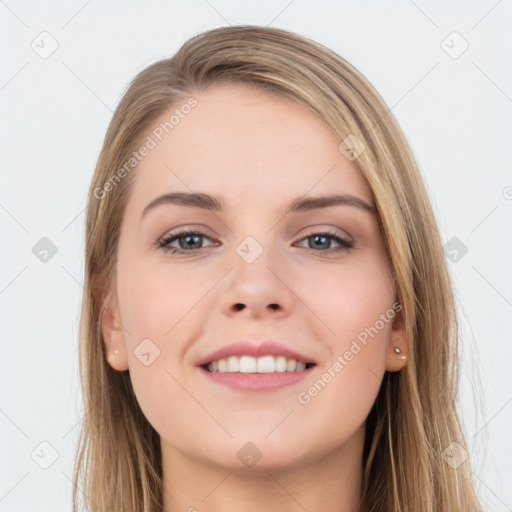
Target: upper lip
[[260, 349]]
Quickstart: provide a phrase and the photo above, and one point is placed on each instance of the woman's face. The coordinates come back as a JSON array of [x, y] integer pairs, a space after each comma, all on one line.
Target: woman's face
[[255, 272]]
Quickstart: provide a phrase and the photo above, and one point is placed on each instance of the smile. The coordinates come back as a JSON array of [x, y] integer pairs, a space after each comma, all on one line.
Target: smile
[[264, 364]]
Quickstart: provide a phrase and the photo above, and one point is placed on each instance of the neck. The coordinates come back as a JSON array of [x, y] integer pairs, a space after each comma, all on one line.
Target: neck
[[331, 483]]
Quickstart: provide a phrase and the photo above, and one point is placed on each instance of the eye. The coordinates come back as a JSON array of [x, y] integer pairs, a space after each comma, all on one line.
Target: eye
[[324, 240], [189, 241]]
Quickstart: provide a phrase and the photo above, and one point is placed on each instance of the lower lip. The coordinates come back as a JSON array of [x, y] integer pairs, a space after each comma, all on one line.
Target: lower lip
[[256, 382]]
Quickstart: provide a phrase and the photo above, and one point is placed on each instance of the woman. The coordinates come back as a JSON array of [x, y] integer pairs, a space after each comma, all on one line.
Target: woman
[[271, 320]]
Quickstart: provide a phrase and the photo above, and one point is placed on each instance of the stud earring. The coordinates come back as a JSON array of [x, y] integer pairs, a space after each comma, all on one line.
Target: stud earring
[[398, 351], [116, 351]]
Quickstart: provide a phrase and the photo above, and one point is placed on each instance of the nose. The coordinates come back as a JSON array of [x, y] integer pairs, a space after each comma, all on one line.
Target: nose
[[258, 289]]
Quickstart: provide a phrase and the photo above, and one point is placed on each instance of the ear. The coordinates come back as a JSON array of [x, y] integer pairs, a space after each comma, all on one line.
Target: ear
[[398, 339], [111, 328]]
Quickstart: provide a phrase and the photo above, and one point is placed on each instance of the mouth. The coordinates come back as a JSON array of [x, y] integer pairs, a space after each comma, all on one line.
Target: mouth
[[263, 374], [264, 364], [250, 367]]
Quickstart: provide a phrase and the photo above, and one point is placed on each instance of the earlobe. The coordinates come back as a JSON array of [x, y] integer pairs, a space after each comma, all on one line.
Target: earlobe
[[112, 331], [398, 346]]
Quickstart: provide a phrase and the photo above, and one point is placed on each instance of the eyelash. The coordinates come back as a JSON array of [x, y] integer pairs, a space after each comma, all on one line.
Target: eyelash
[[345, 245]]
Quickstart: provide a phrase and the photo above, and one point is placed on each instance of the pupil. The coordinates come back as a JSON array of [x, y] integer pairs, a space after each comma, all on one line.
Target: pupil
[[326, 241], [189, 238]]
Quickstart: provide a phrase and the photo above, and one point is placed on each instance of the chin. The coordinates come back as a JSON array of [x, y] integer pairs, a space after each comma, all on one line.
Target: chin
[[257, 453]]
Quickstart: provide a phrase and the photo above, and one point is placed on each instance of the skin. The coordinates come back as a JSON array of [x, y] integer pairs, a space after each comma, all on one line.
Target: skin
[[257, 151]]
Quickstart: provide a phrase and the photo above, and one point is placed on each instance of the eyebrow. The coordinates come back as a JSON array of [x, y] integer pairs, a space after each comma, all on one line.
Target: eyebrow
[[212, 203]]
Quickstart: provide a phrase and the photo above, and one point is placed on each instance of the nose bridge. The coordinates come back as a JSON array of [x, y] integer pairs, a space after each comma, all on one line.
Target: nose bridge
[[255, 283]]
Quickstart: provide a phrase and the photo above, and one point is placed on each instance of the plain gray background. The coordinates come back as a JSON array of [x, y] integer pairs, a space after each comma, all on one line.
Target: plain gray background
[[443, 68]]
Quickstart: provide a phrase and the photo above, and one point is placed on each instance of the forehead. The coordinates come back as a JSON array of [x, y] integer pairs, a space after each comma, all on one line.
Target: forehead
[[244, 144]]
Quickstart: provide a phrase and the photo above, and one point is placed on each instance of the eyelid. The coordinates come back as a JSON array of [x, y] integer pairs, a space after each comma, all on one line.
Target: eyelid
[[344, 245], [179, 232], [206, 232], [313, 230], [196, 228]]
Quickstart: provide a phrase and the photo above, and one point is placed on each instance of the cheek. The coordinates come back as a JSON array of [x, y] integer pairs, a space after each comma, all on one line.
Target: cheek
[[156, 300], [358, 310], [348, 298], [161, 310]]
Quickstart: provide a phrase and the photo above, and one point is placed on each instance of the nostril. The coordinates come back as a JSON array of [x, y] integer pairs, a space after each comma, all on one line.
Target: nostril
[[239, 306]]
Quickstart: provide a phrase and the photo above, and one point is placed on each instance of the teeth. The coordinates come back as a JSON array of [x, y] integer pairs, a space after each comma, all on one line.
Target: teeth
[[266, 364], [233, 364], [280, 364], [249, 364]]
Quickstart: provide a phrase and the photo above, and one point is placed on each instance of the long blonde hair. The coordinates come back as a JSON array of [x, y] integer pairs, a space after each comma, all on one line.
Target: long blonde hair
[[414, 418]]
